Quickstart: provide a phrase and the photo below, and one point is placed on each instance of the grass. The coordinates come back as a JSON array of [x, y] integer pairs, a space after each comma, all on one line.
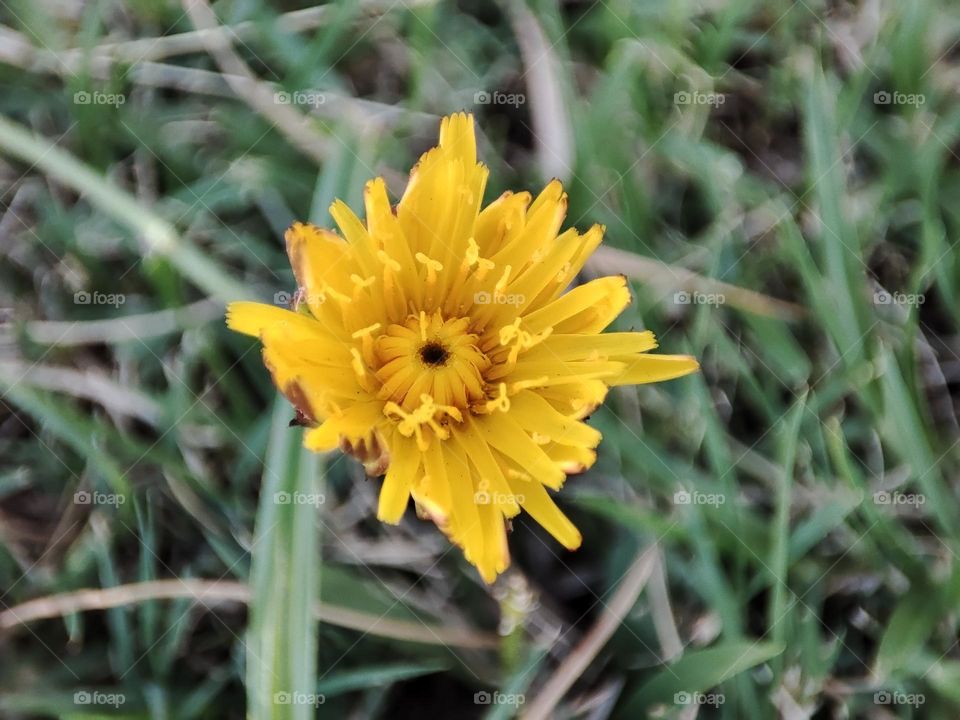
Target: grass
[[797, 498]]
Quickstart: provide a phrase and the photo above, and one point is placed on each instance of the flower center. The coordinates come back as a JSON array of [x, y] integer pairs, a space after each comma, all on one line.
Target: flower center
[[434, 354], [430, 356]]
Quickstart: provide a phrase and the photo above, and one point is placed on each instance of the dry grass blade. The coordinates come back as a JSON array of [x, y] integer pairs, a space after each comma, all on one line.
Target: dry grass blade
[[17, 50], [63, 333], [87, 385], [666, 278], [258, 95], [661, 612], [583, 654], [212, 592], [548, 110]]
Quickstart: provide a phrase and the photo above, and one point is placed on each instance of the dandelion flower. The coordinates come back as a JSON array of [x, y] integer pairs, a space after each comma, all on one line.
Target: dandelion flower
[[440, 343]]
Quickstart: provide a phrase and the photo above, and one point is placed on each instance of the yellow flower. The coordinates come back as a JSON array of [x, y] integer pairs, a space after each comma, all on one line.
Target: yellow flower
[[434, 341]]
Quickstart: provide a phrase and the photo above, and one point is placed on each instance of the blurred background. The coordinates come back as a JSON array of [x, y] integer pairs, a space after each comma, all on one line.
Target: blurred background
[[775, 537]]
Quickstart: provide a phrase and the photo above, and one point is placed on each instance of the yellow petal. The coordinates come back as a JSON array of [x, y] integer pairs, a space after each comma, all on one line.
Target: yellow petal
[[572, 459], [362, 244], [354, 423], [492, 487], [442, 199], [503, 433], [496, 554], [433, 489], [307, 365], [298, 352], [319, 383], [579, 399], [588, 308], [463, 497], [535, 500], [383, 225], [405, 460], [458, 138], [566, 348], [553, 372], [648, 368], [549, 276], [536, 415], [501, 221], [250, 318], [322, 264], [542, 224]]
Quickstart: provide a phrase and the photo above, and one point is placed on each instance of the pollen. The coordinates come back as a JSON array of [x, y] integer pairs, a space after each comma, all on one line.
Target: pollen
[[501, 402], [433, 266], [426, 413]]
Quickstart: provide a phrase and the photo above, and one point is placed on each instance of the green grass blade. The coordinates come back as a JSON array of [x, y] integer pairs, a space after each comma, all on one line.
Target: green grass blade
[[282, 638], [697, 672], [159, 235]]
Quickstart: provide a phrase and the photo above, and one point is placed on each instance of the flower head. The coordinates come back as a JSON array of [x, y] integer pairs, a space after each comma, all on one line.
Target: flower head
[[438, 342]]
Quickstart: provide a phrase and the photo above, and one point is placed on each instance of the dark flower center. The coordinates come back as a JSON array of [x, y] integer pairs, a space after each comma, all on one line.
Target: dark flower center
[[434, 354]]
